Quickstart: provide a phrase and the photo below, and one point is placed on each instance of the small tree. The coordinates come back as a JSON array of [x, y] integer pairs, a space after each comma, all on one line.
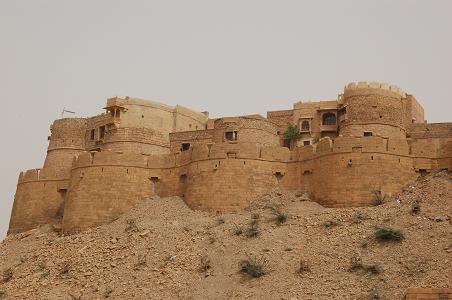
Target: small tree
[[291, 132]]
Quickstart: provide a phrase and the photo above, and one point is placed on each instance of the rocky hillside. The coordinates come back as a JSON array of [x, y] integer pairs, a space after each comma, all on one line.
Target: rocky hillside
[[296, 249]]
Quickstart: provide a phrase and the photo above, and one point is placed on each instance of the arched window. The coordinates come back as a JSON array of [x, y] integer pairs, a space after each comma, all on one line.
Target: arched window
[[305, 126], [329, 119]]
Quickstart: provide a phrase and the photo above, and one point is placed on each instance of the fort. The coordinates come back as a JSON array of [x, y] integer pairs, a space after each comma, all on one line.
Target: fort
[[373, 137]]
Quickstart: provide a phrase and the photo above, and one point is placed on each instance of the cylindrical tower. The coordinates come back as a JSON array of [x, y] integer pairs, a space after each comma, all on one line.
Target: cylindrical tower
[[372, 109], [67, 139]]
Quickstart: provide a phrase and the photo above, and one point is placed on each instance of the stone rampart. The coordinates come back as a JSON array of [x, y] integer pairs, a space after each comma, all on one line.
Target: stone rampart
[[37, 201], [346, 171]]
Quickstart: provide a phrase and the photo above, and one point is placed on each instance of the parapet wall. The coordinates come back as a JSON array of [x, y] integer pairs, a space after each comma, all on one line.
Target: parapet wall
[[254, 129], [224, 177], [345, 171], [364, 88], [137, 140], [37, 201]]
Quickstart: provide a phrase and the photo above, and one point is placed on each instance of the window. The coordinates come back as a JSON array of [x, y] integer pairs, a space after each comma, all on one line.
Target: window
[[102, 132], [367, 133], [329, 119], [185, 146], [305, 126], [92, 134], [306, 143], [230, 135]]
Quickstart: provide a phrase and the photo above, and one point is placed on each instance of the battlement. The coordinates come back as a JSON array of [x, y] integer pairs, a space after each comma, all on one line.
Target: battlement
[[364, 87], [29, 175]]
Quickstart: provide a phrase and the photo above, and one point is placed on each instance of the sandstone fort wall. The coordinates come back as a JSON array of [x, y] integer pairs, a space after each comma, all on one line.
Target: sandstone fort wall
[[372, 138]]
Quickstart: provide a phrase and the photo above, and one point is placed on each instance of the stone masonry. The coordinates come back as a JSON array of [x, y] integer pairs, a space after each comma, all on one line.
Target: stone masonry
[[373, 137]]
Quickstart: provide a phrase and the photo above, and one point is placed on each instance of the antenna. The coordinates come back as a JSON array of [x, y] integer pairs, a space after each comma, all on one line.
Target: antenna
[[66, 111]]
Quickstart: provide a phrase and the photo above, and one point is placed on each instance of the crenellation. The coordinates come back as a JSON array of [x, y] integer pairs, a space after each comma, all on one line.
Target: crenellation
[[373, 137]]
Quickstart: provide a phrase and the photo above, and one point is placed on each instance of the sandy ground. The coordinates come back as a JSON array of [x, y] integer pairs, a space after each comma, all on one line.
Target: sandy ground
[[158, 250]]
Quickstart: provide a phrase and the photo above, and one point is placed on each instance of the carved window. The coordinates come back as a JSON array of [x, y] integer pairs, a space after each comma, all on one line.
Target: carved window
[[306, 143], [102, 132], [329, 119], [305, 125], [368, 133], [185, 146], [230, 135], [92, 134]]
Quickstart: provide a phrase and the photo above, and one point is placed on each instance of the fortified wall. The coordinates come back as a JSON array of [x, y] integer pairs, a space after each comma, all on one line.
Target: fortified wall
[[373, 137]]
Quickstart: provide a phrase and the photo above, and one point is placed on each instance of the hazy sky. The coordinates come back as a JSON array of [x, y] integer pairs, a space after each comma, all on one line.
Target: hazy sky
[[227, 57]]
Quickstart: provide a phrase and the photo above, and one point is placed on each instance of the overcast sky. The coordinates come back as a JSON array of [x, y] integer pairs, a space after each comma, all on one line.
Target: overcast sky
[[227, 57]]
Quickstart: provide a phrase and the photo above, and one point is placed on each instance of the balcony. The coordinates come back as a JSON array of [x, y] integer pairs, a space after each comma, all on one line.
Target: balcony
[[328, 127]]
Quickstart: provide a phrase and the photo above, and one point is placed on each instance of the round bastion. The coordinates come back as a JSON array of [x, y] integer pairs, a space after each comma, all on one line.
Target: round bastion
[[374, 109]]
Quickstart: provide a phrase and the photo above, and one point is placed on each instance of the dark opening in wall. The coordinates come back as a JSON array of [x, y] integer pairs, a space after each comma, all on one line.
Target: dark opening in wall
[[368, 133], [231, 155], [279, 175], [185, 147], [286, 143], [183, 178], [92, 134], [306, 143], [230, 135], [423, 172], [329, 119], [307, 172], [305, 125], [101, 132], [154, 181], [341, 114], [183, 184], [372, 157]]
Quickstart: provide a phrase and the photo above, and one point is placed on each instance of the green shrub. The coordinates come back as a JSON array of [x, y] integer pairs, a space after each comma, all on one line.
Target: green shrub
[[65, 268], [379, 197], [41, 265], [280, 216], [141, 260], [255, 216], [330, 223], [388, 234], [115, 216], [358, 217], [205, 263], [372, 269], [108, 292], [304, 266], [252, 230], [291, 132], [131, 225], [2, 295], [315, 139], [238, 230], [255, 267], [415, 207], [7, 275], [212, 237]]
